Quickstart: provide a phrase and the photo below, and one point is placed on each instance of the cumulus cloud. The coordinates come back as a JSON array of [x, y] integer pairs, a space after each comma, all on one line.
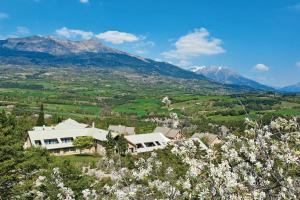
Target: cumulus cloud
[[3, 15], [74, 33], [261, 68], [195, 44], [117, 37], [83, 1]]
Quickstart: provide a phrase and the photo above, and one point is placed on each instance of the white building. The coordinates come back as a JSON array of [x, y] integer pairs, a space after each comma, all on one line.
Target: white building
[[121, 129], [59, 139], [146, 142]]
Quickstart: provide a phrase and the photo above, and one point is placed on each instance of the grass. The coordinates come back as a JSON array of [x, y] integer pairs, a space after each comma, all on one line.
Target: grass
[[79, 160], [87, 93], [288, 112], [140, 107]]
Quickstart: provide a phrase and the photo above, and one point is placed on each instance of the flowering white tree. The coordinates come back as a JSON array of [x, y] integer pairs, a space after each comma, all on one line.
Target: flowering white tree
[[174, 120], [260, 163], [166, 101]]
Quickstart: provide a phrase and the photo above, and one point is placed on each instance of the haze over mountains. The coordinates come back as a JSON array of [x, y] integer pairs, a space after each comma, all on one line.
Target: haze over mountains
[[295, 88]]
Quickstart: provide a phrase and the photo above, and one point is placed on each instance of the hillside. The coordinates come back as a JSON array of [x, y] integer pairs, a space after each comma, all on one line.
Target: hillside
[[228, 76], [49, 51], [291, 88]]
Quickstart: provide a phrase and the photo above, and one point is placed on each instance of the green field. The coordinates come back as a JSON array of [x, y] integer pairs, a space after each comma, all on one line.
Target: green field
[[118, 98]]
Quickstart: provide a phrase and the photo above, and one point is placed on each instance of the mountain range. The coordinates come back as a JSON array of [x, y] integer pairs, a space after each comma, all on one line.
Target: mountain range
[[295, 88], [48, 51], [226, 75]]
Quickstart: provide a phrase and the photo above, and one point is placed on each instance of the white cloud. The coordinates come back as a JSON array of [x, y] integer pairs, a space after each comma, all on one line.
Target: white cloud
[[195, 44], [298, 64], [117, 37], [22, 30], [261, 68], [83, 1], [3, 15], [183, 63], [74, 33], [141, 47]]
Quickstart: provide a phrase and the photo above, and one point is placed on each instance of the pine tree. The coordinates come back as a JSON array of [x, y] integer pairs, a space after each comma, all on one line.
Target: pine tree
[[110, 145], [122, 145], [41, 119], [56, 119]]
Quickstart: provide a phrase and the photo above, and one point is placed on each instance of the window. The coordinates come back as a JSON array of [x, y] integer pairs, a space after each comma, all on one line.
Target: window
[[149, 144], [139, 145], [38, 142], [71, 149], [55, 151], [51, 141], [157, 143], [67, 140]]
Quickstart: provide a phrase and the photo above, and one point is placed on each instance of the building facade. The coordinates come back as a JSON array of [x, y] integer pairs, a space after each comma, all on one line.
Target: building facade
[[59, 139]]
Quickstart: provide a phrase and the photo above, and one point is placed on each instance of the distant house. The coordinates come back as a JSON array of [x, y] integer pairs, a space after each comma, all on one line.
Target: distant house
[[173, 134], [210, 139], [146, 142], [59, 139], [224, 130], [124, 130]]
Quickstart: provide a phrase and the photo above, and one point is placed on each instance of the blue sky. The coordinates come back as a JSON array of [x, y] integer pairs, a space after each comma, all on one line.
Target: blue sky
[[259, 38]]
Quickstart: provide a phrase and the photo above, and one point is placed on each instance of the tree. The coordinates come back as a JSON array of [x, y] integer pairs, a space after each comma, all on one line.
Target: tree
[[56, 119], [263, 162], [41, 119], [110, 144], [122, 145], [83, 142], [166, 101], [16, 165], [3, 117]]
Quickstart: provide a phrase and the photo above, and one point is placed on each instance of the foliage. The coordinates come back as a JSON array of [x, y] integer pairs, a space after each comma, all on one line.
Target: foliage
[[17, 165], [261, 163], [110, 144], [83, 142], [41, 118], [121, 145]]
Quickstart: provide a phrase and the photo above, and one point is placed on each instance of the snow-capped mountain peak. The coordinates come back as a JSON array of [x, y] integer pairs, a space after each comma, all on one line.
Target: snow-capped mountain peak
[[225, 75]]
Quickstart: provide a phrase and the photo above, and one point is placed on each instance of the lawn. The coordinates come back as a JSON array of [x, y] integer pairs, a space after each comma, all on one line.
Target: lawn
[[78, 160]]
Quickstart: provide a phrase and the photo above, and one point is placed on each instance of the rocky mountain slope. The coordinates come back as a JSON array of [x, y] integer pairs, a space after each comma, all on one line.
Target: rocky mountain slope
[[228, 76], [49, 51]]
